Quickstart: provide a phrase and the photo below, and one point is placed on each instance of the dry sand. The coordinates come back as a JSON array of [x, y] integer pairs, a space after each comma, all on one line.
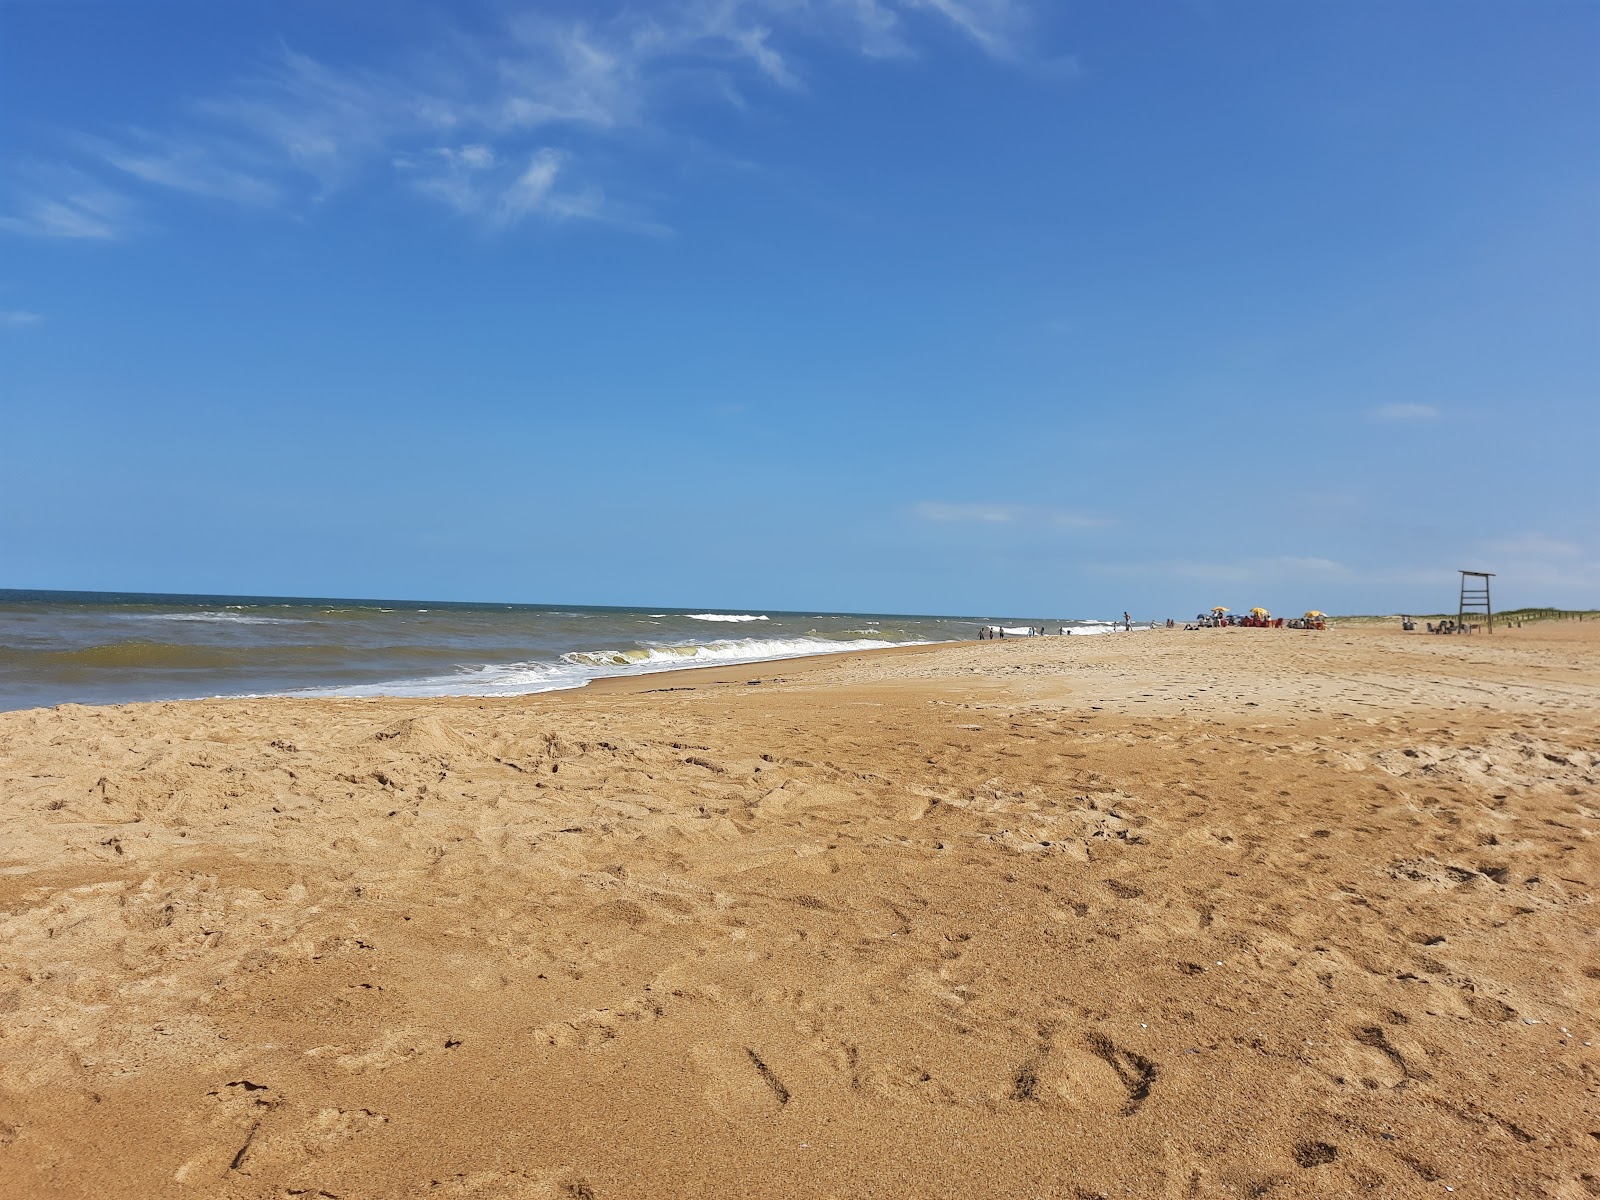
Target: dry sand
[[1219, 913]]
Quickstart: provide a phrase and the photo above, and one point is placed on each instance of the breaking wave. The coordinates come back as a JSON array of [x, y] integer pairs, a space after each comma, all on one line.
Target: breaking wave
[[222, 618], [736, 617], [578, 667]]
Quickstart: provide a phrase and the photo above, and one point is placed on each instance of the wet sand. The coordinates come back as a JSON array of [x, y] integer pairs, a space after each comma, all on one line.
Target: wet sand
[[1211, 913]]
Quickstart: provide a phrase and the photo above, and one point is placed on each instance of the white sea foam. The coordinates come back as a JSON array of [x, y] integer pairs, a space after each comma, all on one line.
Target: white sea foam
[[577, 668], [666, 656], [736, 617], [224, 618]]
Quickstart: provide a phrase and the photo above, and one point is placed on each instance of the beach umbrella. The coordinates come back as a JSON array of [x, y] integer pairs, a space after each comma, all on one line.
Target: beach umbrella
[[1259, 612], [1218, 608], [1315, 613]]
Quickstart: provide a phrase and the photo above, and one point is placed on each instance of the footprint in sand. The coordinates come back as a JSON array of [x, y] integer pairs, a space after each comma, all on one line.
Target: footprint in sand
[[332, 1126], [244, 1098], [1309, 1154], [258, 1136], [508, 1185], [737, 1082], [394, 1048], [1099, 1078], [1366, 1059], [586, 1030]]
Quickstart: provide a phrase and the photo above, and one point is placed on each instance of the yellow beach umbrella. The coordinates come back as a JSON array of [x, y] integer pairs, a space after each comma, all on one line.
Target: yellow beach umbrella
[[1315, 613], [1218, 608], [1259, 612]]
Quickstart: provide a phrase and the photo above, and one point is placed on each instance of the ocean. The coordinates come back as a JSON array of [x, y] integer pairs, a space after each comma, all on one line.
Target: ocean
[[111, 648]]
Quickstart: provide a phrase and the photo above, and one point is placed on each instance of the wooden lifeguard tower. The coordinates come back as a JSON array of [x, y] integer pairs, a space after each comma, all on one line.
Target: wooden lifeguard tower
[[1475, 598]]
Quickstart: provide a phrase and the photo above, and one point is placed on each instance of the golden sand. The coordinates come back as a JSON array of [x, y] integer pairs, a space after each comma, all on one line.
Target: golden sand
[[1216, 913]]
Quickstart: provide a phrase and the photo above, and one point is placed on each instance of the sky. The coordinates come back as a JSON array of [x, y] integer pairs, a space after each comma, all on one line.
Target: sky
[[933, 306]]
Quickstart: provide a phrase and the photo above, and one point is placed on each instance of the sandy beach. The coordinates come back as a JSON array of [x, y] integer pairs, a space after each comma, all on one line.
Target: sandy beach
[[1214, 913]]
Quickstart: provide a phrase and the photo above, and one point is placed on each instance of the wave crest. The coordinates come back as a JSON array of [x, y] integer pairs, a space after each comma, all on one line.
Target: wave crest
[[578, 667], [222, 618]]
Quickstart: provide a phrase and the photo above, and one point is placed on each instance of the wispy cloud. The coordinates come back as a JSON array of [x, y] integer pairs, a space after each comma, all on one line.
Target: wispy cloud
[[1309, 565], [184, 167], [17, 318], [474, 181], [501, 125], [1238, 571], [1404, 412], [1001, 514], [1537, 568], [1204, 572], [1530, 568], [995, 25], [69, 205], [1532, 546], [993, 514], [1268, 570], [1073, 520]]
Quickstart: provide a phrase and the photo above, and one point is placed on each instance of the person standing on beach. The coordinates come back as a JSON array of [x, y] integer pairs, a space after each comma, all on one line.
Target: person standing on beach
[[1127, 623]]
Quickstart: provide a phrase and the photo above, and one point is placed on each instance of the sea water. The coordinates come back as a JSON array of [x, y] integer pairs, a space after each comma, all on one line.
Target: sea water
[[109, 648]]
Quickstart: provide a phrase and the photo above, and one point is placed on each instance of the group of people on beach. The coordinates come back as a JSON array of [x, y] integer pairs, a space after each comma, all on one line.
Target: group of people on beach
[[1253, 621], [1228, 621], [990, 632]]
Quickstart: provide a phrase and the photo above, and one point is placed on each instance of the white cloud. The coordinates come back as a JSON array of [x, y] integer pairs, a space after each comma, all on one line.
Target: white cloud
[[1309, 565], [17, 318], [534, 191], [1533, 546], [501, 192], [993, 24], [1530, 569], [1538, 569], [1071, 520], [1253, 570], [876, 28], [1404, 412], [300, 116], [183, 167], [546, 73], [1218, 572], [999, 514], [496, 124], [472, 157], [930, 510], [72, 206]]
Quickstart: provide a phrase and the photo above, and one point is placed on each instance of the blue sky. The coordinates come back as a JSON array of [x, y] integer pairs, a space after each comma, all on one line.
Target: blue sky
[[894, 305]]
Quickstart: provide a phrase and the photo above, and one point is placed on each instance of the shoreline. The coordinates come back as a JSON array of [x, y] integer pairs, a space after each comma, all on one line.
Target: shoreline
[[621, 684], [105, 650], [1194, 914], [604, 684], [739, 672]]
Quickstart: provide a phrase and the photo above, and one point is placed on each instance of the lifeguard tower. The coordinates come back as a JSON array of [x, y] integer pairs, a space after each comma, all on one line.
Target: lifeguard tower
[[1475, 598]]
